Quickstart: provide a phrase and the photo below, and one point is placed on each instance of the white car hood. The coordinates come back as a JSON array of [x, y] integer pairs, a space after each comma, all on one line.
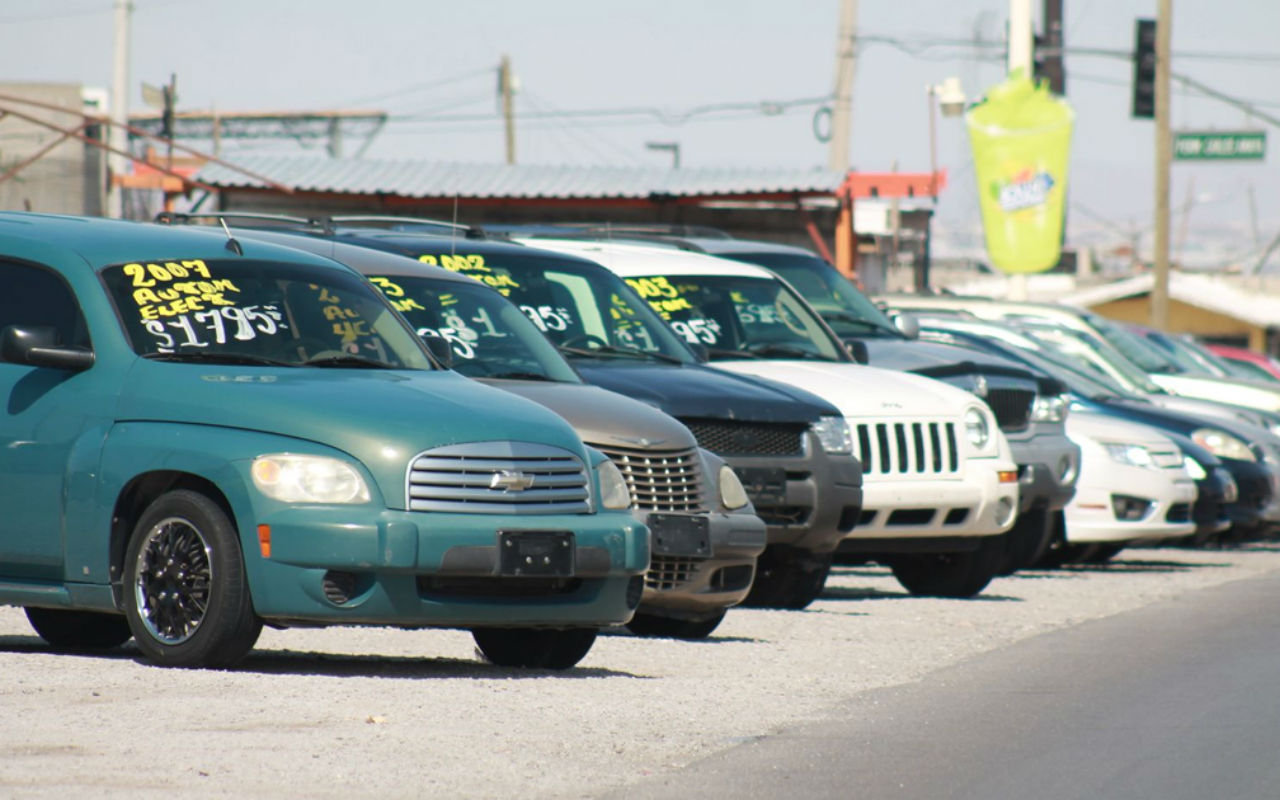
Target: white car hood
[[1102, 428], [860, 391]]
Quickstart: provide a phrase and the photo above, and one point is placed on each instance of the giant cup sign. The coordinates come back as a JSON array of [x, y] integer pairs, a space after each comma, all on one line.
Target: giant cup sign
[[1021, 140]]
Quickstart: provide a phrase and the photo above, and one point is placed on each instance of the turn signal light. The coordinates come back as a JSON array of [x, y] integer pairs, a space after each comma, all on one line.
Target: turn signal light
[[264, 540], [1008, 475]]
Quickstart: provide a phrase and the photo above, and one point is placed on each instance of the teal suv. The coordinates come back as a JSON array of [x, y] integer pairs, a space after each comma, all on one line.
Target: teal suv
[[200, 435]]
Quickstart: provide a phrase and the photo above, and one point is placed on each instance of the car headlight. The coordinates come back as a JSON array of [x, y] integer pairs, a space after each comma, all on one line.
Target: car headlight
[[1052, 408], [613, 487], [1222, 444], [834, 435], [732, 493], [976, 427], [292, 478], [1135, 455], [1194, 469]]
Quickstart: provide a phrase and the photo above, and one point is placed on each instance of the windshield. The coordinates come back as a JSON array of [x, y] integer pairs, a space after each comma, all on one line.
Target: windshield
[[259, 312], [848, 311], [1140, 352], [489, 337], [1095, 355], [584, 309], [1249, 371], [736, 317]]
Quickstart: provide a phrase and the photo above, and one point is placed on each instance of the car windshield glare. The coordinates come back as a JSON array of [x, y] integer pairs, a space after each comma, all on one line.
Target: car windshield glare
[[735, 317], [488, 335], [581, 307], [848, 311], [258, 312]]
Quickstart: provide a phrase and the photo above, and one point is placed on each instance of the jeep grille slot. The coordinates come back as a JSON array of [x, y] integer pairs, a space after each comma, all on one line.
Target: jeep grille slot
[[660, 480], [748, 438], [902, 448], [498, 478]]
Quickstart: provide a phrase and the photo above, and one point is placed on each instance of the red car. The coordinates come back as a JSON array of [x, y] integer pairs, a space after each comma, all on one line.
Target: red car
[[1247, 363]]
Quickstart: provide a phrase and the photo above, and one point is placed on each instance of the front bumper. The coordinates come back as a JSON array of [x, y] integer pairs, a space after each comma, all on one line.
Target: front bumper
[[1091, 515], [814, 506], [694, 587], [1255, 492], [437, 569], [1048, 466], [895, 511]]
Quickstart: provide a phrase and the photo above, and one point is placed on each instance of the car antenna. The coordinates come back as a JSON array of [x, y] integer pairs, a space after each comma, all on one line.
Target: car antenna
[[232, 244], [453, 232]]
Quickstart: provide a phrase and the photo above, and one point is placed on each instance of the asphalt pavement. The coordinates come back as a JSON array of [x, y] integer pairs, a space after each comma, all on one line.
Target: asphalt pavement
[[1175, 700]]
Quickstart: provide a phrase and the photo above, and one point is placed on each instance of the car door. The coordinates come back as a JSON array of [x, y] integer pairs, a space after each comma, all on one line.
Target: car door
[[42, 413]]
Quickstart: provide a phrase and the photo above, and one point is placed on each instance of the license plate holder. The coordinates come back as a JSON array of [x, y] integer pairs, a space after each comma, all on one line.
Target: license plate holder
[[536, 553], [679, 535], [766, 486]]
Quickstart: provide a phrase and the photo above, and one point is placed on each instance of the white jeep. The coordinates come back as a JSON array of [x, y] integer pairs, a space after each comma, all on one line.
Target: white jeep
[[939, 481]]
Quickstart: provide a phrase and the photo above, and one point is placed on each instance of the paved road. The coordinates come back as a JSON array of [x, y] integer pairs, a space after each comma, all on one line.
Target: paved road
[[1177, 700]]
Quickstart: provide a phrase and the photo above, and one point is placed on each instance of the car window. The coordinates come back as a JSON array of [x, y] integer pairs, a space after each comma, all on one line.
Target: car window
[[32, 296], [732, 315], [293, 314], [489, 336]]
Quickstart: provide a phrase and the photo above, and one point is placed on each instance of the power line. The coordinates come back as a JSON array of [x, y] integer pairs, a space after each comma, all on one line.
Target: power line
[[665, 116], [421, 87]]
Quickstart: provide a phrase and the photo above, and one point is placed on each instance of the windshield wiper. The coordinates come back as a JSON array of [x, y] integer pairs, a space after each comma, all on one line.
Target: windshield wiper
[[347, 360], [614, 350], [786, 350], [716, 352], [198, 357], [521, 376], [854, 319]]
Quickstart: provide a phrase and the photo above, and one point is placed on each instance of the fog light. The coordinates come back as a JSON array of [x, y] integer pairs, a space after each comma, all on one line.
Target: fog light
[[635, 588], [339, 587], [1129, 508], [1004, 510]]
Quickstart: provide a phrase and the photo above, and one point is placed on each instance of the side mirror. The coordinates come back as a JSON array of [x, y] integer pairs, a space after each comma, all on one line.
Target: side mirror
[[441, 350], [857, 349], [700, 352], [908, 325], [37, 346]]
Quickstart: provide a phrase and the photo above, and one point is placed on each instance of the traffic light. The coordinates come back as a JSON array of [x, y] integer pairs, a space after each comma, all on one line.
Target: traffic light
[[1144, 69]]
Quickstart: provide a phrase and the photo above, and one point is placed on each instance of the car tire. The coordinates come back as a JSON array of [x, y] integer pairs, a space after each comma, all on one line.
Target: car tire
[[1027, 540], [672, 628], [65, 629], [788, 578], [957, 575], [534, 648], [186, 594], [1102, 553]]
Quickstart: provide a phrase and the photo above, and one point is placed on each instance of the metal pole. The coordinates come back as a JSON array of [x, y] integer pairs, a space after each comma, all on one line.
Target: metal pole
[[842, 109], [118, 137], [1021, 37], [507, 90], [1164, 156]]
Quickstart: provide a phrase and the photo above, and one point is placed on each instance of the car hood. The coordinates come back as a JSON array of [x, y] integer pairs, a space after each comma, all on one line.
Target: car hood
[[1241, 392], [383, 418], [604, 418], [860, 391], [693, 391], [1103, 428]]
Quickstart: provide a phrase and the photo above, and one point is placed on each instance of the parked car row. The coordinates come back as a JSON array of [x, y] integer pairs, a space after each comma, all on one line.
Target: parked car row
[[224, 421]]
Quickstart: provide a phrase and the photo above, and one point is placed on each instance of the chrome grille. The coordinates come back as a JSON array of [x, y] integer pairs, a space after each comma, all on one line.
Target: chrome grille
[[670, 572], [748, 438], [1012, 407], [469, 478], [907, 448], [660, 480]]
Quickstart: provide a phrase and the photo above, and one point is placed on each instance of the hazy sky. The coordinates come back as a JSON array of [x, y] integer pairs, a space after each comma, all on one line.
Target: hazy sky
[[419, 60]]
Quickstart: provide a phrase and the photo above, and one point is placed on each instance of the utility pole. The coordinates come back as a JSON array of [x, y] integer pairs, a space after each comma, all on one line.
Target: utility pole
[[842, 111], [1164, 156], [506, 91], [1021, 44], [841, 135], [117, 136]]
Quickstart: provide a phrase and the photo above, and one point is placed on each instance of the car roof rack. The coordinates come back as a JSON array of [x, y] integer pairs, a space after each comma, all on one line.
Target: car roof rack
[[597, 229], [436, 226], [244, 218]]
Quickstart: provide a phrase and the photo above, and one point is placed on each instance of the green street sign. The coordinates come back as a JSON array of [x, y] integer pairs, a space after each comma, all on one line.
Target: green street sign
[[1220, 145]]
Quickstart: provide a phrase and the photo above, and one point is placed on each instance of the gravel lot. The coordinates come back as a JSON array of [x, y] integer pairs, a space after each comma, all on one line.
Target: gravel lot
[[337, 712]]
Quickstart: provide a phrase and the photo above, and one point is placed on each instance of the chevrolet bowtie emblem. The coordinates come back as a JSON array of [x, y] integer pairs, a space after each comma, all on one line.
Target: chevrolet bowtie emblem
[[510, 480]]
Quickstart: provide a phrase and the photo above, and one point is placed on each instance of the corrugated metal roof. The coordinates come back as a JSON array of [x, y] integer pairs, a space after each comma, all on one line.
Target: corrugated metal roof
[[407, 178]]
